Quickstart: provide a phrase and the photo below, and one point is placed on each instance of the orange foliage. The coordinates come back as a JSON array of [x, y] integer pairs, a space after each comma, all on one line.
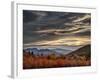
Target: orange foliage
[[31, 62]]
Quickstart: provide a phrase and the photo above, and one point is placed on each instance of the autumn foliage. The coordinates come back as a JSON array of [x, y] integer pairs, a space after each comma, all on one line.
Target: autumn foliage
[[52, 61]]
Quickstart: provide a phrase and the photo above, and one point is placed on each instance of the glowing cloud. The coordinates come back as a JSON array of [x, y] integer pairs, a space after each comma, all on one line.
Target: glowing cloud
[[69, 41]]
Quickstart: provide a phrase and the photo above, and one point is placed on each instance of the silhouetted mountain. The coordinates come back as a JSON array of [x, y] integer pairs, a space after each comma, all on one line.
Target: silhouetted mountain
[[83, 51]]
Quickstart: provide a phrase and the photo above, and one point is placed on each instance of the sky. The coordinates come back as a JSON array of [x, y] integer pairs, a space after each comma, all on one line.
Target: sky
[[56, 28]]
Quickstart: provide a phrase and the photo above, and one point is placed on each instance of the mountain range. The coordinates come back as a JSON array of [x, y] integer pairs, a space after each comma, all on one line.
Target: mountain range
[[46, 52], [83, 51]]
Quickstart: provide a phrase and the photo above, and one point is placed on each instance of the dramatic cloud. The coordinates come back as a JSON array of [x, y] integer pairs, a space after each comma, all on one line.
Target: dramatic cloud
[[66, 41], [56, 28]]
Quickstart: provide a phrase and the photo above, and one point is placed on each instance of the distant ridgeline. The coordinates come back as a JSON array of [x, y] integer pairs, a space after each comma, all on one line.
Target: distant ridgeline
[[38, 52], [83, 51]]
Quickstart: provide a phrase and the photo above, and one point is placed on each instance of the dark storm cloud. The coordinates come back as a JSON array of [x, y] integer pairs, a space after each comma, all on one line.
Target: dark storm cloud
[[44, 25]]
